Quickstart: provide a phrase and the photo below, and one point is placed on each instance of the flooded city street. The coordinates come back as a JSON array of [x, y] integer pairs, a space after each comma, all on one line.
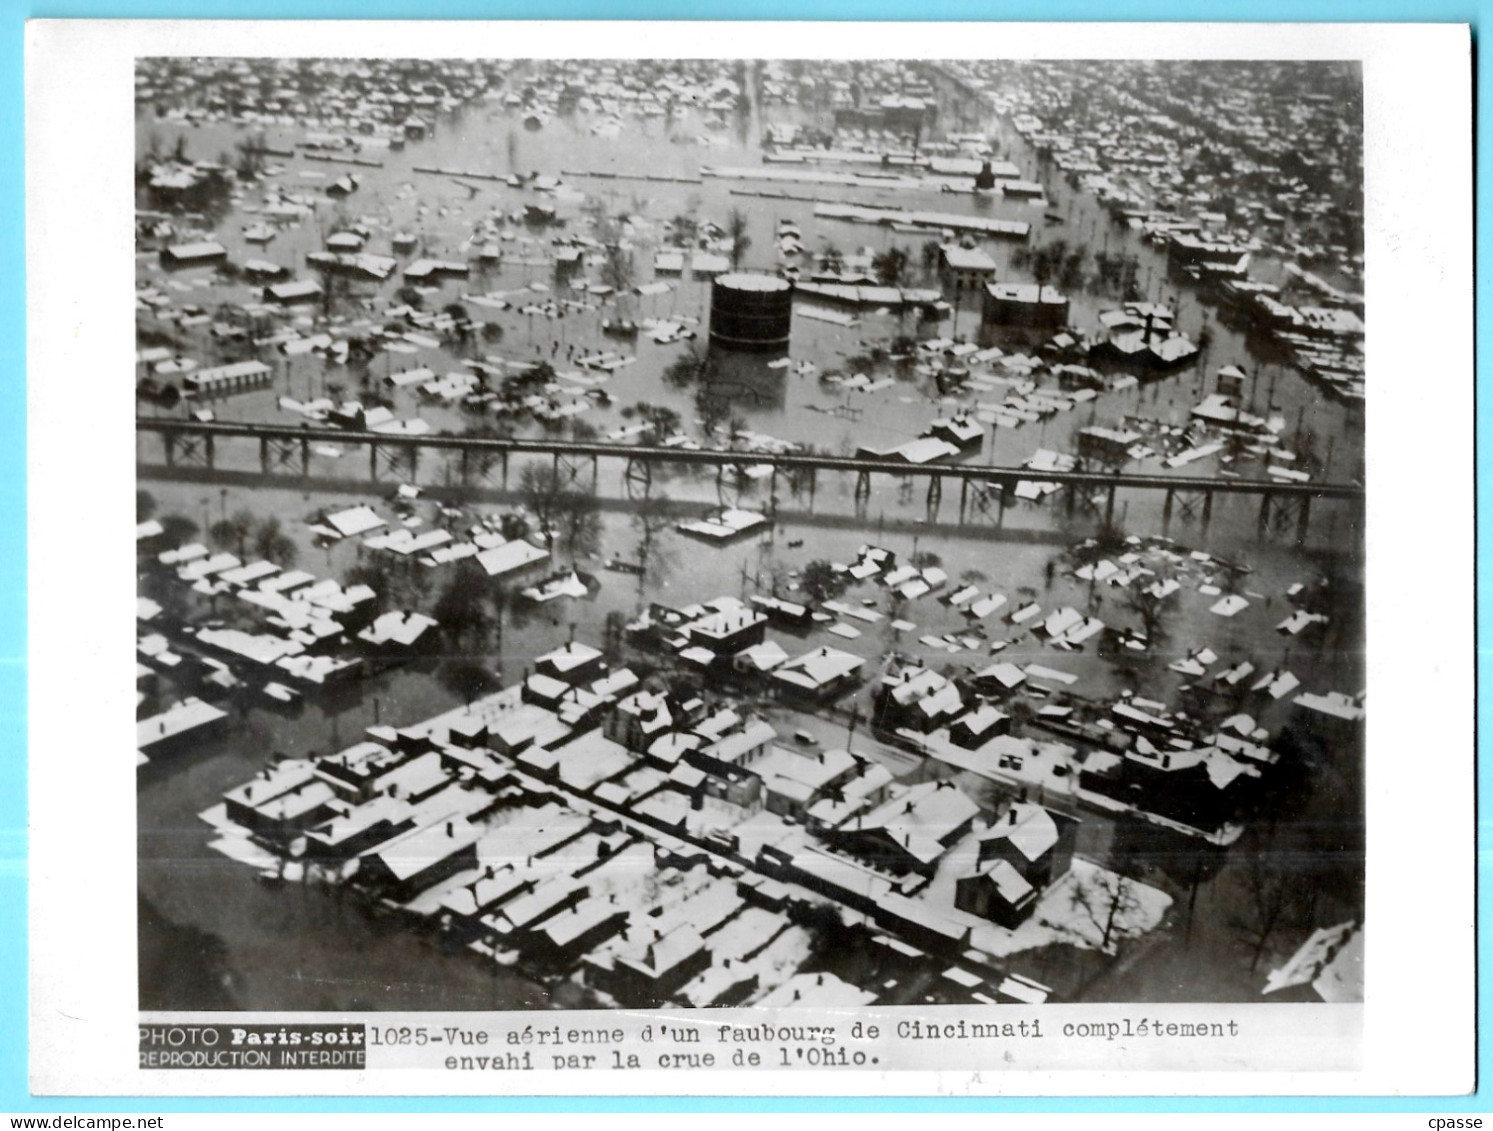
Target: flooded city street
[[889, 526]]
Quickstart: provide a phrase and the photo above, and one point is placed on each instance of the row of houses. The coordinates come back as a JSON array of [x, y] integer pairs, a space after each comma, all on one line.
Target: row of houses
[[728, 636], [538, 824]]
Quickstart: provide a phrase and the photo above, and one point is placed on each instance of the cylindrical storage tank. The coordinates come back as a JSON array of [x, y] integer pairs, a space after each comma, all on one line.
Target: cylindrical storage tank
[[751, 312]]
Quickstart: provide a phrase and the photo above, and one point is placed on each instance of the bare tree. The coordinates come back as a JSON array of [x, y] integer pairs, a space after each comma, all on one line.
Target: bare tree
[[655, 561], [234, 531], [542, 486], [579, 523], [1154, 611], [736, 230], [1108, 901], [461, 608], [272, 543], [1266, 904]]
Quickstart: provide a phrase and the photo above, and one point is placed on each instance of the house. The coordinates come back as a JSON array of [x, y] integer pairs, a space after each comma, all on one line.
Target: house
[[546, 899], [639, 720], [1212, 256], [732, 740], [759, 659], [1108, 446], [544, 691], [1202, 788], [561, 940], [396, 635], [824, 990], [731, 628], [194, 254], [728, 762], [574, 663], [222, 380], [998, 892], [963, 271], [794, 780], [466, 905], [788, 614], [289, 294], [179, 727], [964, 432], [911, 830], [1023, 305], [896, 702], [355, 771], [361, 829], [823, 674], [1142, 339], [973, 730], [652, 967], [582, 763], [858, 794], [405, 866], [242, 803], [1328, 966], [1034, 840], [1334, 719]]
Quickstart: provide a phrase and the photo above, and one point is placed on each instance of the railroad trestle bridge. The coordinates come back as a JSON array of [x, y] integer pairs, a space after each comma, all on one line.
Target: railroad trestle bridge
[[985, 491]]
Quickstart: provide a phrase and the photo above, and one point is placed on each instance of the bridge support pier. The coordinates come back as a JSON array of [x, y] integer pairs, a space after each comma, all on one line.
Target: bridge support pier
[[1279, 512], [637, 478]]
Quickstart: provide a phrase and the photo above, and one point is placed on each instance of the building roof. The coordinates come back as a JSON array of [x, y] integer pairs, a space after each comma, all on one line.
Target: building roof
[[823, 989], [733, 747], [1011, 884], [354, 521], [1030, 829], [510, 556], [764, 657], [1026, 293], [569, 657], [655, 955], [966, 258], [1333, 703], [397, 628], [413, 852], [811, 770], [919, 818], [819, 668]]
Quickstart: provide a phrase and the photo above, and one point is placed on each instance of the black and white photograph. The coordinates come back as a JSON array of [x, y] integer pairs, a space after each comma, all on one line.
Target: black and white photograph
[[703, 551], [689, 533]]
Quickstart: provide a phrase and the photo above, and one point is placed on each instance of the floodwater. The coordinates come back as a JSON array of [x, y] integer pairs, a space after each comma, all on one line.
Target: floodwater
[[445, 214], [232, 938]]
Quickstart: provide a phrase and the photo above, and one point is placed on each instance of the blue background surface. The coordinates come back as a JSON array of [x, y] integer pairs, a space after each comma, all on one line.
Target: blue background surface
[[14, 1096]]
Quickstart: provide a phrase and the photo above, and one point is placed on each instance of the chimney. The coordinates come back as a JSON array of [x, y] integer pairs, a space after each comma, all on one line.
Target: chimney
[[450, 828]]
